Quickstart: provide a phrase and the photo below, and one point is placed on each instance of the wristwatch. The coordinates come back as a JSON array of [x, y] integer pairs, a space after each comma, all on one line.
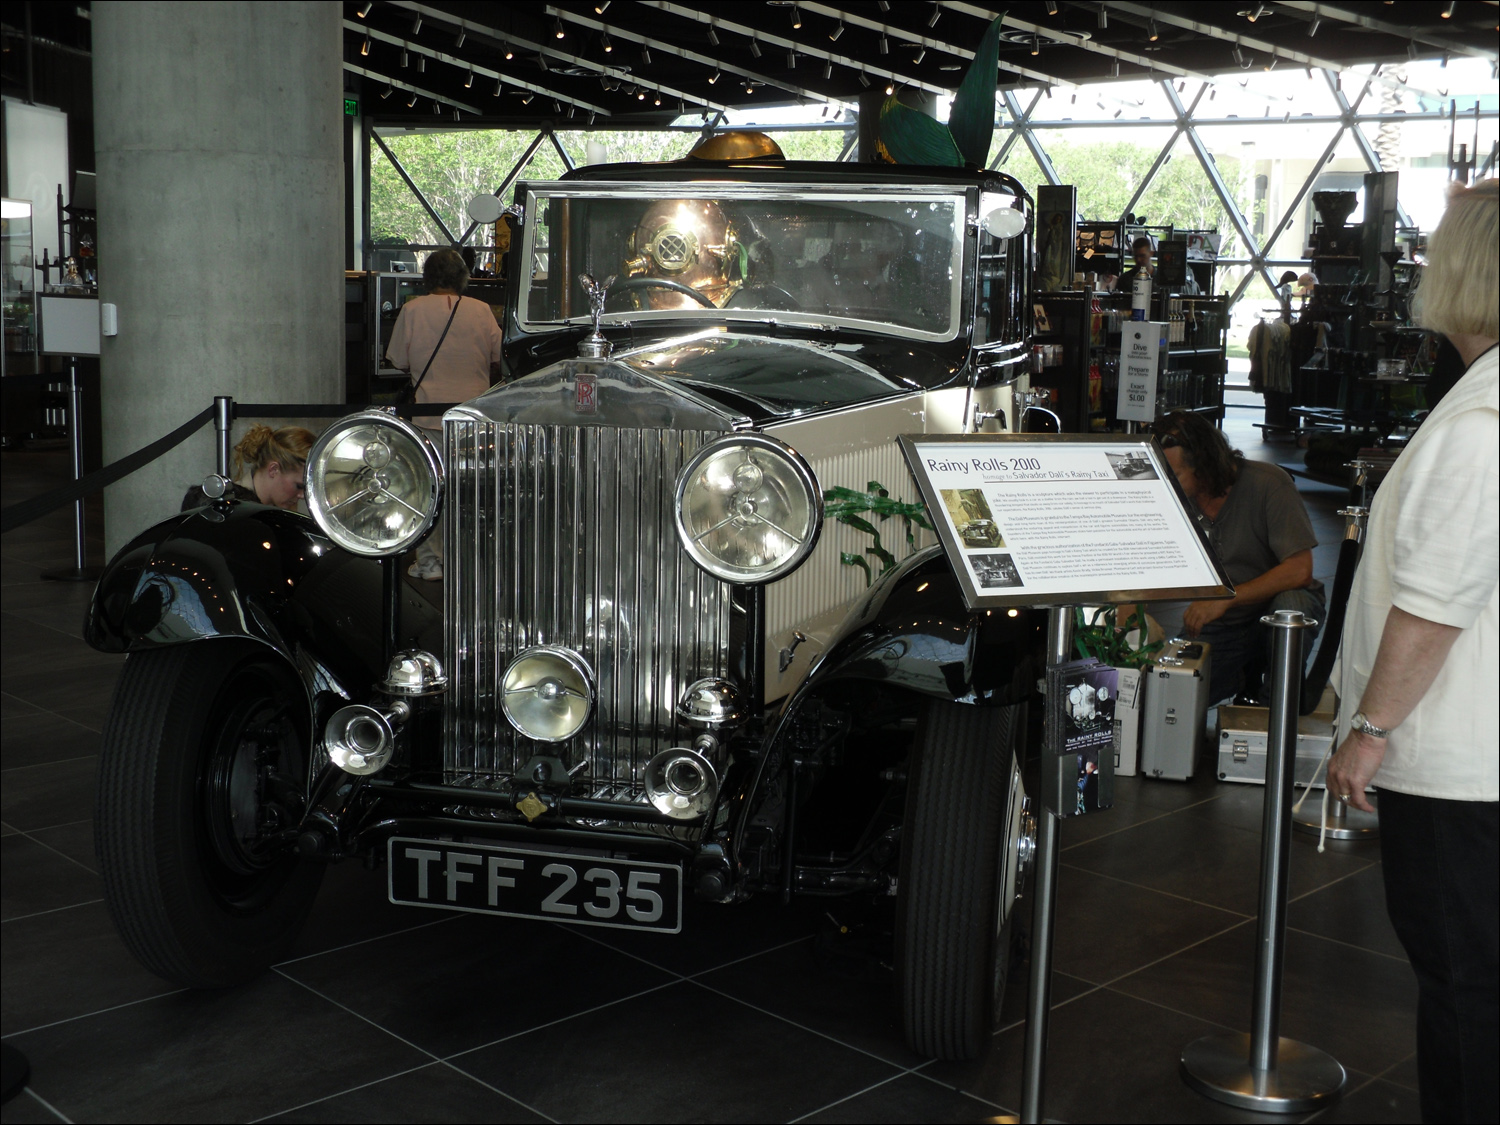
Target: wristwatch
[[1361, 723]]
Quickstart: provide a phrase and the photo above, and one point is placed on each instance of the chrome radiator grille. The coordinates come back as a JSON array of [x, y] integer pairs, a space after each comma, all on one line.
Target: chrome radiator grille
[[564, 535]]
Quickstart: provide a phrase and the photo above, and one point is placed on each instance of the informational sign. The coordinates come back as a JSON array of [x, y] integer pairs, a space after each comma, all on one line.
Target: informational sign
[[1062, 519], [1141, 344], [70, 325]]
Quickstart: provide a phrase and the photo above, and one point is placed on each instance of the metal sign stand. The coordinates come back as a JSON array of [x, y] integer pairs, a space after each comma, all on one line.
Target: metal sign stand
[[80, 571], [1262, 1071], [1044, 905]]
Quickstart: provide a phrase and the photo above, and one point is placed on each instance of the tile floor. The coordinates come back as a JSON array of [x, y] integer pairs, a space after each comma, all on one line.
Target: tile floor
[[394, 1014]]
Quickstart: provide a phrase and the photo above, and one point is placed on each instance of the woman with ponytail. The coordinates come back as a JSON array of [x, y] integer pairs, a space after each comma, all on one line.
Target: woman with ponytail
[[270, 467]]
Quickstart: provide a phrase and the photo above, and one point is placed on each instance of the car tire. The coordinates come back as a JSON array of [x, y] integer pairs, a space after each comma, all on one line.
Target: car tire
[[201, 767], [953, 921]]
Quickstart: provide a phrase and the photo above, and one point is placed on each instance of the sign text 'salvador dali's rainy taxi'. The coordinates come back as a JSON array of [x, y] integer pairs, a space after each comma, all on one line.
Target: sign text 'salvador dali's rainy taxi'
[[654, 677]]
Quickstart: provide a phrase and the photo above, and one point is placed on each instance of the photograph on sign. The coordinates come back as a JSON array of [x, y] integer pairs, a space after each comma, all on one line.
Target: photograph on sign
[[1062, 519]]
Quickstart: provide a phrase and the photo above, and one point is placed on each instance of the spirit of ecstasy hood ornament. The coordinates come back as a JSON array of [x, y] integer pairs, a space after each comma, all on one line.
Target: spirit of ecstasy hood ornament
[[594, 345]]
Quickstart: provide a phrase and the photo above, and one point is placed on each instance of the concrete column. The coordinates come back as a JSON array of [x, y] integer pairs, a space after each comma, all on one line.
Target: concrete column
[[221, 230]]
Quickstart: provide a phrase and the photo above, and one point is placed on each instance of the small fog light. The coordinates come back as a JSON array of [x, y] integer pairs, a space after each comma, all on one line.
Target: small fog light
[[547, 693]]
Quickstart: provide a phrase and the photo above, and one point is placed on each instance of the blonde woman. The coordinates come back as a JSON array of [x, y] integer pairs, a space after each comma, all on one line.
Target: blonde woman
[[1417, 668], [270, 467]]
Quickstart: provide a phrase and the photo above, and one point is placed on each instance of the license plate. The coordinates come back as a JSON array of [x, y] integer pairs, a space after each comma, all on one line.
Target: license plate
[[520, 883]]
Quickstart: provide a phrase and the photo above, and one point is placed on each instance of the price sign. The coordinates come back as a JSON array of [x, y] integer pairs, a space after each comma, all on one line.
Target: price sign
[[1141, 344]]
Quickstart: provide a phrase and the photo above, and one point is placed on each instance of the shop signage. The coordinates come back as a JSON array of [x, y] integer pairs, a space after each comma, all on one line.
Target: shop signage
[[1141, 345], [1062, 519]]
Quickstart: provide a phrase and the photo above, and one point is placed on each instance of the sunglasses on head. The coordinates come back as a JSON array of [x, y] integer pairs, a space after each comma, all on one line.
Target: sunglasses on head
[[1169, 441]]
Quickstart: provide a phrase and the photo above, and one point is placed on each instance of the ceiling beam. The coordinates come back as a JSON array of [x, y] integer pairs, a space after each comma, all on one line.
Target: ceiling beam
[[391, 80], [1333, 12], [792, 45], [508, 38], [463, 64], [681, 52]]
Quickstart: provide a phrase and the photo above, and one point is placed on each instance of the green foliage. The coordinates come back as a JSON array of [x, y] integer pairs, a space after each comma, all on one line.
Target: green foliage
[[1105, 640], [909, 136], [972, 119], [849, 507]]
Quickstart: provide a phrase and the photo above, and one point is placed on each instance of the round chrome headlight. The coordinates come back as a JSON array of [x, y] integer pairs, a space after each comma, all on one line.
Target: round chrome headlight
[[748, 509], [547, 693], [374, 484]]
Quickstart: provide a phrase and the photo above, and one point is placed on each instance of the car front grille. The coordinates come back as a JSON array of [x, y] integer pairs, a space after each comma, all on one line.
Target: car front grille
[[564, 535]]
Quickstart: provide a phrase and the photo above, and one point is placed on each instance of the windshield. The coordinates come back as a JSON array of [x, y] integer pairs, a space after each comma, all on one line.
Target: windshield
[[887, 261]]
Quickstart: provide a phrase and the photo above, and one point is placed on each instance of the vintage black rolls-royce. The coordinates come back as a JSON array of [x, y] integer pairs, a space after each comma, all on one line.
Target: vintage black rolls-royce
[[658, 671]]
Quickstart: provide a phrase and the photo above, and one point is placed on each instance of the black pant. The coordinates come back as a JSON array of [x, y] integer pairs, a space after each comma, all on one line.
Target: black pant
[[1442, 890]]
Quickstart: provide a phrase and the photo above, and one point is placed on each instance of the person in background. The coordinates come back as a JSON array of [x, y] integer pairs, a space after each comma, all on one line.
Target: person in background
[[1417, 668], [460, 369], [270, 467], [1259, 527], [1141, 250]]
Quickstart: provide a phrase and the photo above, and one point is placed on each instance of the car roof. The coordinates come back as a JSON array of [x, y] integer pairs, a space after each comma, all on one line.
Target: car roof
[[798, 171]]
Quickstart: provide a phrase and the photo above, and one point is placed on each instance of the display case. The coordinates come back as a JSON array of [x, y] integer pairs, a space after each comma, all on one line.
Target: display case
[[19, 264]]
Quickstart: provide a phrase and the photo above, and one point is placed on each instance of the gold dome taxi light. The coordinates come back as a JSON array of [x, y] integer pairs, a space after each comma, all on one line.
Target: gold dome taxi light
[[748, 509], [374, 484]]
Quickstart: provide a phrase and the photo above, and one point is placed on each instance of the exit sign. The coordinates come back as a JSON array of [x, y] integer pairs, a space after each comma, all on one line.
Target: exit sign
[[351, 107]]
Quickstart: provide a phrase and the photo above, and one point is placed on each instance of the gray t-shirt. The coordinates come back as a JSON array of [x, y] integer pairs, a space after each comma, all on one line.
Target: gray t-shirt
[[1262, 524]]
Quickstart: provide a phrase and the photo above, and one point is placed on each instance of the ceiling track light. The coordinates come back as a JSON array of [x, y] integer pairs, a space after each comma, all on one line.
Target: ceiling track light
[[713, 36], [837, 31], [364, 9], [1260, 10], [556, 106], [890, 88], [1444, 61], [558, 30], [713, 78], [364, 48], [864, 80], [405, 58], [421, 64], [796, 16], [1114, 68], [1052, 7], [1448, 11], [541, 61], [885, 45], [828, 68], [527, 98], [1036, 46], [1239, 55], [1272, 64], [509, 52], [387, 92], [937, 13], [1312, 28], [416, 24], [605, 43], [498, 85], [645, 55], [1103, 16], [922, 54], [469, 79], [1411, 49], [884, 5], [755, 48], [654, 101], [1152, 35], [599, 8], [463, 33], [791, 60], [411, 104]]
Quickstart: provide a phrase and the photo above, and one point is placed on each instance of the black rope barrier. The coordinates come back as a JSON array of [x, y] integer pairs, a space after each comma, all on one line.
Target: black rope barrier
[[18, 515]]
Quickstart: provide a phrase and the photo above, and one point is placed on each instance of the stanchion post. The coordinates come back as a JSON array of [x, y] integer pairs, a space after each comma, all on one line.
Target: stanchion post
[[223, 434], [1044, 902], [80, 571], [1262, 1071]]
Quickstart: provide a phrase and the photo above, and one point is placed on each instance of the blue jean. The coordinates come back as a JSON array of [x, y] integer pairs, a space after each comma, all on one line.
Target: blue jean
[[1235, 646], [1438, 859]]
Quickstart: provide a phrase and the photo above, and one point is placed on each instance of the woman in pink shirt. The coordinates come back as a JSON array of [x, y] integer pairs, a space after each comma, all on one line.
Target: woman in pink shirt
[[459, 369]]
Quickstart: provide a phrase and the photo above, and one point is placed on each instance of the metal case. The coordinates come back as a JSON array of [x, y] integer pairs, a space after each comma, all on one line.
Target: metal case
[[1176, 709], [1242, 744]]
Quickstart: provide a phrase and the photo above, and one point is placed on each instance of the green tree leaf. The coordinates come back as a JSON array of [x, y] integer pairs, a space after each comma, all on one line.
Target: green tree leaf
[[971, 122]]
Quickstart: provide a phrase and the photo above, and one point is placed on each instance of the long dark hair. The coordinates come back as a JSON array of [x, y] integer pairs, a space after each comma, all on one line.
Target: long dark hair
[[1204, 447]]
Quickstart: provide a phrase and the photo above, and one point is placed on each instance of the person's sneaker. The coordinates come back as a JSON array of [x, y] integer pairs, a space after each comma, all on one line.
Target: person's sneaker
[[430, 569]]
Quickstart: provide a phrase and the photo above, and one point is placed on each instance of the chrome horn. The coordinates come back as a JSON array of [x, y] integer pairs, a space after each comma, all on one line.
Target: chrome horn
[[681, 783], [361, 739]]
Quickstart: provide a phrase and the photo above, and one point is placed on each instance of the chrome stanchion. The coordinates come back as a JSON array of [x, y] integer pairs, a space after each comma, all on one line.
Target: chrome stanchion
[[223, 435], [1262, 1071], [1044, 905], [80, 571]]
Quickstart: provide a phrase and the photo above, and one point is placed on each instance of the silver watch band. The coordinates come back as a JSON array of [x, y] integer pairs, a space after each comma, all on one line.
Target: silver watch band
[[1361, 722]]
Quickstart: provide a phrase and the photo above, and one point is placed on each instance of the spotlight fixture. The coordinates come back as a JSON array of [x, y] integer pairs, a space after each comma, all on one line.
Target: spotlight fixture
[[640, 95], [436, 109], [885, 5], [937, 13], [421, 64], [599, 8], [1448, 11], [713, 36], [412, 103], [864, 80], [885, 45], [1272, 64], [1114, 68], [1260, 10], [509, 53], [755, 48], [416, 24], [469, 79], [405, 58], [1444, 61], [922, 54], [605, 43], [1103, 16], [1118, 112], [463, 33], [1052, 7], [654, 101], [1411, 49], [1213, 93], [364, 48], [837, 31], [1239, 55], [498, 85], [557, 28], [890, 87], [1181, 86], [828, 68], [526, 100], [541, 61], [791, 60], [713, 78], [1036, 46], [645, 55], [387, 92], [1152, 35], [364, 9], [1312, 28], [796, 16]]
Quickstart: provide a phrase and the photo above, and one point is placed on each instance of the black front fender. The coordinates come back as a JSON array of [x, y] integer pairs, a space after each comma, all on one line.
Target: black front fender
[[242, 570]]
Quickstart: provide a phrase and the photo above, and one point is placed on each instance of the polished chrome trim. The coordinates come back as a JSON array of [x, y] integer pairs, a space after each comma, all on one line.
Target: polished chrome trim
[[572, 660], [316, 501]]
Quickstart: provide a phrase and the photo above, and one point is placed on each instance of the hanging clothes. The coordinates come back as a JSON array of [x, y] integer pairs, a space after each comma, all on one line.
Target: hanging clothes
[[1271, 357]]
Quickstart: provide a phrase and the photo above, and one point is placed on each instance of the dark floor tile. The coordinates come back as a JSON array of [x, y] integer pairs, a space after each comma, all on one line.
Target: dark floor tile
[[1404, 1073], [1128, 811], [1109, 1058], [475, 979], [1375, 1103], [714, 934], [76, 841], [209, 1056], [352, 907], [690, 1054], [13, 705], [1106, 928], [1208, 861], [1368, 1032], [909, 1098], [46, 795], [34, 879], [41, 736], [25, 1109], [1017, 993], [84, 699], [31, 648], [68, 963], [1351, 910], [435, 1092]]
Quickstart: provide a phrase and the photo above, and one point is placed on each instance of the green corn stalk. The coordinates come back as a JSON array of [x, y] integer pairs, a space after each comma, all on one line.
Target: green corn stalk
[[1105, 641], [849, 507]]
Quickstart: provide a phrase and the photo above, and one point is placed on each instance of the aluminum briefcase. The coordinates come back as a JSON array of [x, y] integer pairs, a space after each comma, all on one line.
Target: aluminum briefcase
[[1242, 744], [1176, 709]]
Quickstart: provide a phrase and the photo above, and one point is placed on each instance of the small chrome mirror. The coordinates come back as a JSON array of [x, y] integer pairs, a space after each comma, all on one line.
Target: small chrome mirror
[[485, 208]]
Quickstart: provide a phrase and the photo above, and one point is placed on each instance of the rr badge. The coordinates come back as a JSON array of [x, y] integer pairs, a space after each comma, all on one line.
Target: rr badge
[[586, 395]]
